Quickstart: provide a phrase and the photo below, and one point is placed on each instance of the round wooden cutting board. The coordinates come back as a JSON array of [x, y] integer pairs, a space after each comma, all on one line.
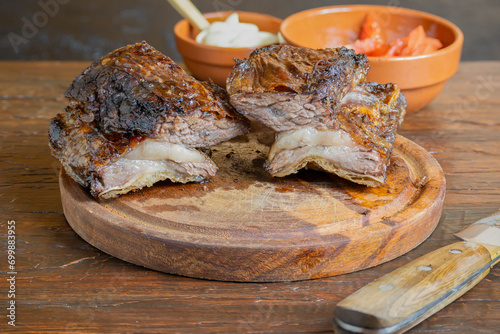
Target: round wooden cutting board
[[244, 225]]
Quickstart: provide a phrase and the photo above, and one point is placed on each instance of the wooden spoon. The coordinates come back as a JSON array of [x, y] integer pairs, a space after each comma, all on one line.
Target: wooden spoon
[[190, 12]]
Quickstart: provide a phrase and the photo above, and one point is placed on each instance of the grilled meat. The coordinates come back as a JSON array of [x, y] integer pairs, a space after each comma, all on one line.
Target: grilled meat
[[134, 118], [325, 115], [356, 145]]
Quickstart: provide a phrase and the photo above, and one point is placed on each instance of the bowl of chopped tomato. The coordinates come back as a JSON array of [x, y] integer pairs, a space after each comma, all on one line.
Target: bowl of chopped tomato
[[417, 51]]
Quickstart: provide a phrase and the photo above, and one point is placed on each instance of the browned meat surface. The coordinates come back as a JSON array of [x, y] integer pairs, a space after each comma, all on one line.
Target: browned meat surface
[[347, 127], [287, 87], [134, 118], [138, 89]]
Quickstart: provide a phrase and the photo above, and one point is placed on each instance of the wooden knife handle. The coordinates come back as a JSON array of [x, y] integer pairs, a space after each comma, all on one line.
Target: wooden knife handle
[[403, 298]]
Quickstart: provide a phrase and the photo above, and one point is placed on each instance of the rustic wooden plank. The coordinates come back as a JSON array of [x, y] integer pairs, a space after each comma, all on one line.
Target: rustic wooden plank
[[67, 285], [85, 270]]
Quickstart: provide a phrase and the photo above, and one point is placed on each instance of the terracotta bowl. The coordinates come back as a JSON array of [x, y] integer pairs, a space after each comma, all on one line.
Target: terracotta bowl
[[206, 61], [421, 78]]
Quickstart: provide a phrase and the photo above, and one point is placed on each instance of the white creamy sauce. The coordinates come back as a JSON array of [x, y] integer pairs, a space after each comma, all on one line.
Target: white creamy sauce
[[234, 34]]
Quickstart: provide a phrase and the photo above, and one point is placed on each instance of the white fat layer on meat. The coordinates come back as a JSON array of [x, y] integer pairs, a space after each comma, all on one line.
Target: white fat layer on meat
[[309, 136], [335, 146], [155, 150], [151, 161]]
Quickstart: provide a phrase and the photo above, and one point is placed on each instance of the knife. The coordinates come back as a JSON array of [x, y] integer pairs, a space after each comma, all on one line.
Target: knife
[[403, 298]]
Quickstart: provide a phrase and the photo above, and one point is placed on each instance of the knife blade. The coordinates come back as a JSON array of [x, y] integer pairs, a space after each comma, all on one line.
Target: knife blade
[[403, 298]]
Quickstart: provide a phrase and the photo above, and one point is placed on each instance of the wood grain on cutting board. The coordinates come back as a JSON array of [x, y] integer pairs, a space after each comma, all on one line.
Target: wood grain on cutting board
[[244, 225]]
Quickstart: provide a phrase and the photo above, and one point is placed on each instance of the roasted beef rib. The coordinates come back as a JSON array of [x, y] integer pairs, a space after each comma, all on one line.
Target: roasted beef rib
[[324, 113], [134, 118]]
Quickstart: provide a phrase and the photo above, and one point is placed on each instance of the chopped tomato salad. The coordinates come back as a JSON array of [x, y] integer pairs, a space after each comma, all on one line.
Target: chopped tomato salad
[[372, 44]]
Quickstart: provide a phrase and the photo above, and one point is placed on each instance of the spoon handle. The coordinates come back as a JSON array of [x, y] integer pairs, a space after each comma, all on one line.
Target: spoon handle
[[190, 12]]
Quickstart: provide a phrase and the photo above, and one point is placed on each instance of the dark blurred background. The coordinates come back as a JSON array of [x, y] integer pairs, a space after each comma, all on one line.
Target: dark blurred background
[[87, 29]]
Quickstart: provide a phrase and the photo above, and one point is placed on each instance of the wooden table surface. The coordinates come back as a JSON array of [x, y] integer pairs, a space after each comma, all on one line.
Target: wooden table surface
[[62, 284]]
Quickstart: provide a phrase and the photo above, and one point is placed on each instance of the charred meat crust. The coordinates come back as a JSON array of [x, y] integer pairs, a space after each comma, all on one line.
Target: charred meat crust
[[82, 150], [127, 102], [136, 89], [283, 68], [91, 158], [288, 87]]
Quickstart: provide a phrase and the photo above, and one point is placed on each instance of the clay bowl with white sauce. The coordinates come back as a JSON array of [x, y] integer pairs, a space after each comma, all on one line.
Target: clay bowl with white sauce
[[214, 62]]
